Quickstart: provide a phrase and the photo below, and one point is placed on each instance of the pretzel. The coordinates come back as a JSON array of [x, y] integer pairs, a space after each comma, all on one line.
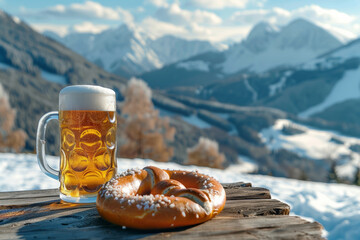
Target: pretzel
[[153, 198]]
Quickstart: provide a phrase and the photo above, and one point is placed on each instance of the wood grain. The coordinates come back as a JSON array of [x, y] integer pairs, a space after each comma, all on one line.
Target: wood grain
[[249, 213]]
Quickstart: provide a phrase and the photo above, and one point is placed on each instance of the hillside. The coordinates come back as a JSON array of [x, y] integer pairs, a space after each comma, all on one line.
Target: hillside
[[33, 70], [264, 49], [129, 51]]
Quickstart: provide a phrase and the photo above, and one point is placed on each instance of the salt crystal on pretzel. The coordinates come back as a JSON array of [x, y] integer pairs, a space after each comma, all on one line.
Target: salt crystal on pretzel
[[153, 198]]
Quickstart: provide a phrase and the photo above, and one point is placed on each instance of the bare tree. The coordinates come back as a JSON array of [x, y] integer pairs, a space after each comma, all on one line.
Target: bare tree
[[357, 176], [142, 132], [205, 153], [10, 140]]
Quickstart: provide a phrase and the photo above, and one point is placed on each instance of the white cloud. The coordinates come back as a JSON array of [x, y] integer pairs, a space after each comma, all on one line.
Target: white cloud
[[87, 10], [318, 13], [88, 27], [218, 33], [61, 30], [197, 24], [140, 9], [174, 14], [218, 4], [158, 3], [260, 3], [158, 28], [275, 16], [179, 18], [342, 34], [194, 31], [126, 16]]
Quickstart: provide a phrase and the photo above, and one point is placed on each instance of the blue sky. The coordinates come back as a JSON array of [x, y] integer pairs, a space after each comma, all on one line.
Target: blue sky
[[213, 20]]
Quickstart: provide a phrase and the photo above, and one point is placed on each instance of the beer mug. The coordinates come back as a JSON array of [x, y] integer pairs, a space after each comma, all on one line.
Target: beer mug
[[87, 119]]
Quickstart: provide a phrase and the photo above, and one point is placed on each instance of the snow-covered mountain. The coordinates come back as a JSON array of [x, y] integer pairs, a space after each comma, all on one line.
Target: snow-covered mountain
[[128, 51], [267, 47], [346, 91]]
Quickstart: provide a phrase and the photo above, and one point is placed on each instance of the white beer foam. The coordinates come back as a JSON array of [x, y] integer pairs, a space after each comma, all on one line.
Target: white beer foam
[[87, 97]]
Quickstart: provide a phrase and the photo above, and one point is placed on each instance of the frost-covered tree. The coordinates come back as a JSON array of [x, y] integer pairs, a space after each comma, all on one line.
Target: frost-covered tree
[[143, 133], [10, 140], [205, 153]]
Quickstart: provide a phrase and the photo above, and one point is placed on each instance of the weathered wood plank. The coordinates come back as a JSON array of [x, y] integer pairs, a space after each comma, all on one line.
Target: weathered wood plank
[[236, 185], [31, 197], [248, 214], [255, 207], [55, 192], [233, 208], [269, 227], [247, 193], [29, 194], [87, 224]]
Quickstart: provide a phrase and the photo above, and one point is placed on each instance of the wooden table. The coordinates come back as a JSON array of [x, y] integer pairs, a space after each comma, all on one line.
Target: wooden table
[[249, 213]]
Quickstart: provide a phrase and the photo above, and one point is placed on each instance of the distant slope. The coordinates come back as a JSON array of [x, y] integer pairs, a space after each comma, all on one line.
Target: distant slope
[[264, 49], [196, 71], [128, 51], [30, 61]]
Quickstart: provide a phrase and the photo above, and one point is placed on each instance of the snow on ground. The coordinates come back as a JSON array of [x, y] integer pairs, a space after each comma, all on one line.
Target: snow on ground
[[251, 90], [196, 121], [240, 58], [335, 206], [5, 66], [244, 165], [276, 87], [315, 144], [197, 65], [349, 84], [16, 19], [192, 119], [51, 77]]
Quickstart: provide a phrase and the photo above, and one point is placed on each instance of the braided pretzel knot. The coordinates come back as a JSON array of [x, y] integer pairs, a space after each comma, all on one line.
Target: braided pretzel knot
[[153, 198]]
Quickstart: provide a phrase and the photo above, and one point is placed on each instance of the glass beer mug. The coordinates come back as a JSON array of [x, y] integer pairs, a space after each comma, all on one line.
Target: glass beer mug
[[87, 119]]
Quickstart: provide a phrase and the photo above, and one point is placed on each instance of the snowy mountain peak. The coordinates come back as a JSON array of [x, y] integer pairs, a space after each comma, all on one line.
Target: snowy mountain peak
[[301, 33], [265, 48], [260, 36], [128, 50], [301, 23], [261, 29]]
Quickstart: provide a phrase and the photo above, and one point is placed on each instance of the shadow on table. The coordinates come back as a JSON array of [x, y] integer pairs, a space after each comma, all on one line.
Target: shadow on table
[[59, 220]]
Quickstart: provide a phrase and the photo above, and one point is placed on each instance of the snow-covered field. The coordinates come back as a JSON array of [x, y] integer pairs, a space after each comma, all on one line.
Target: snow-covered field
[[348, 84], [335, 206], [194, 66], [315, 144]]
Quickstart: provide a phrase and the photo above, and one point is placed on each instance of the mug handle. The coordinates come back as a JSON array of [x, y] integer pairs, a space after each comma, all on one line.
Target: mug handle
[[40, 144]]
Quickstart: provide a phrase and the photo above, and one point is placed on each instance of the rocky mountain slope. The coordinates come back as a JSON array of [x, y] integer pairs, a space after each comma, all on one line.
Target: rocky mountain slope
[[325, 88], [33, 70], [128, 51], [265, 48]]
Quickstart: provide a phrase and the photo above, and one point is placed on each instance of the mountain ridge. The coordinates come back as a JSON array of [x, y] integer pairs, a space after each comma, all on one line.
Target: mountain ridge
[[128, 51], [264, 49]]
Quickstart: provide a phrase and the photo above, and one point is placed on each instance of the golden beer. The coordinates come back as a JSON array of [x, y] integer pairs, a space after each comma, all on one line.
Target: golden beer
[[87, 117], [88, 144]]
